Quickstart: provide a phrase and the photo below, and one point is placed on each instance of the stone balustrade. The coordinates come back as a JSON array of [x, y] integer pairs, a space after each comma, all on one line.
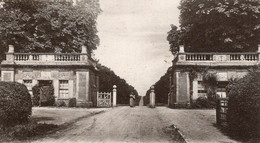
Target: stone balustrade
[[218, 57], [199, 57], [46, 57], [82, 58]]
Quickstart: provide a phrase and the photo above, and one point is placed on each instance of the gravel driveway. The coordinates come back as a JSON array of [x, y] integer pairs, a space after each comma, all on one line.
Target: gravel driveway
[[121, 124], [141, 124]]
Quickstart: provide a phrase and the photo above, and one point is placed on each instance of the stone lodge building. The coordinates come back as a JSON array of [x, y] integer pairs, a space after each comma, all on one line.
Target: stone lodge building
[[225, 66], [72, 75]]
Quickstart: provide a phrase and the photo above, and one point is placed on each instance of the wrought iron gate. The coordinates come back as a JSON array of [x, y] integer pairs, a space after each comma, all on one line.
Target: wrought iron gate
[[104, 99]]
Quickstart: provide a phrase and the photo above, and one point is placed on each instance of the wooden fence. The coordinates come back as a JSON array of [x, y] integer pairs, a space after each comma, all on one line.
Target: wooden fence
[[221, 112]]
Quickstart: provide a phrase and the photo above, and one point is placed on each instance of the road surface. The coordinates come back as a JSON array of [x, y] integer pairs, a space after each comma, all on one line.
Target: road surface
[[141, 124], [197, 126], [121, 124]]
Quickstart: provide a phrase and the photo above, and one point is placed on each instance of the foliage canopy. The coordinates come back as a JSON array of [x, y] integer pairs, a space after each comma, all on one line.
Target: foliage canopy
[[48, 26], [217, 26]]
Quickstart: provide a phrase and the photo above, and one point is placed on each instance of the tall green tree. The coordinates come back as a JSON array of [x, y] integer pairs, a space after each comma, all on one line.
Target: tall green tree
[[217, 26], [48, 26]]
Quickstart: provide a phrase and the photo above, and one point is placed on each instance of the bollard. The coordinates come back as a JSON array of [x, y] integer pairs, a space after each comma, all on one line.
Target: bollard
[[152, 97]]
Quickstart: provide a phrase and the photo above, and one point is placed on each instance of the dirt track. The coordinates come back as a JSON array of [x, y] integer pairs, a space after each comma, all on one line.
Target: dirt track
[[122, 124]]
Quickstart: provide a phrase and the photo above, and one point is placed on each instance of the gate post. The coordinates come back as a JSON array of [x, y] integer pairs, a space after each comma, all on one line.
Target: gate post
[[114, 96], [152, 97]]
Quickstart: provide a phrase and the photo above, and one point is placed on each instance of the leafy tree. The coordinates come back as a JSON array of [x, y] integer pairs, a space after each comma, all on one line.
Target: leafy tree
[[174, 38], [217, 26], [48, 26], [107, 78]]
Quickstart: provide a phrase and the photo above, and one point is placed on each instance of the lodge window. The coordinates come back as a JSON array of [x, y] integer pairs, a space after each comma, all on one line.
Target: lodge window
[[28, 84], [64, 89], [202, 92]]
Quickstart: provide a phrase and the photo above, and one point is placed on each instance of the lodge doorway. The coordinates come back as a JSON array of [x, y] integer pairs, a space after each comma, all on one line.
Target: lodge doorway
[[46, 93]]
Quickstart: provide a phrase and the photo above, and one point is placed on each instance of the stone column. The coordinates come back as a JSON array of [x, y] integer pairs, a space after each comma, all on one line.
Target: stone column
[[114, 96], [152, 97]]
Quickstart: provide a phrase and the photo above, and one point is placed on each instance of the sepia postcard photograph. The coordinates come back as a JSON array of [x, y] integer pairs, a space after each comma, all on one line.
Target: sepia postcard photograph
[[130, 71]]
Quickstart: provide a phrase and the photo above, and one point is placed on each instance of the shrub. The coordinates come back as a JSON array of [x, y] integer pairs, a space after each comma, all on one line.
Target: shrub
[[15, 104], [210, 81], [72, 102], [60, 103], [231, 83], [36, 95], [243, 115], [203, 102]]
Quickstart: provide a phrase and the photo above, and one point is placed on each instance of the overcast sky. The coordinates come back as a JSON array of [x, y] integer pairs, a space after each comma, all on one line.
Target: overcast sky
[[133, 39]]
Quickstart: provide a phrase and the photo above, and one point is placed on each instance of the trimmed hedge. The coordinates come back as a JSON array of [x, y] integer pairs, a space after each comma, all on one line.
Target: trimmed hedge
[[243, 115], [15, 104]]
